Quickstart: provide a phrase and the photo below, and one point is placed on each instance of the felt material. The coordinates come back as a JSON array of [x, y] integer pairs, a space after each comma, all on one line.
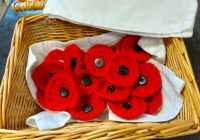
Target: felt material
[[53, 98], [154, 103], [137, 107], [40, 98], [120, 59], [98, 51], [118, 94], [73, 52], [98, 106], [128, 41], [56, 55], [153, 84], [129, 44], [43, 72], [85, 89]]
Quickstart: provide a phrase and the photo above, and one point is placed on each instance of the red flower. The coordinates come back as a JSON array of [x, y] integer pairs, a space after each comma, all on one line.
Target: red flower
[[40, 98], [43, 72], [149, 82], [129, 44], [97, 59], [75, 56], [61, 93], [123, 70], [85, 81], [132, 108], [154, 103], [111, 92], [88, 108]]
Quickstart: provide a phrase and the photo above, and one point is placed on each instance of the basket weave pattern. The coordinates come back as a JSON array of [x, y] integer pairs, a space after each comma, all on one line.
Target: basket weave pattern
[[16, 102]]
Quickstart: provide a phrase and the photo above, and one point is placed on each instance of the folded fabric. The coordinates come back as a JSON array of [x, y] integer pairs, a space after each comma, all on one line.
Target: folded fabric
[[172, 100], [166, 18]]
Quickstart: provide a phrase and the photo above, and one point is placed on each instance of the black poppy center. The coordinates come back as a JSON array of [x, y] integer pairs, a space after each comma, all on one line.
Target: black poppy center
[[111, 89], [142, 80], [123, 70], [64, 92], [127, 106], [51, 74], [87, 108], [86, 81], [137, 48], [73, 62]]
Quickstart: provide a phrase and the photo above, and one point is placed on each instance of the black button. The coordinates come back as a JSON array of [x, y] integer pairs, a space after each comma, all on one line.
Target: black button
[[111, 89], [137, 48], [64, 92], [73, 62], [86, 81], [127, 106], [87, 108], [123, 70], [142, 80], [51, 74]]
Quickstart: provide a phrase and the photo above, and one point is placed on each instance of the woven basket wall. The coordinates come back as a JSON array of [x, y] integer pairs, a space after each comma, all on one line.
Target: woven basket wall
[[16, 102]]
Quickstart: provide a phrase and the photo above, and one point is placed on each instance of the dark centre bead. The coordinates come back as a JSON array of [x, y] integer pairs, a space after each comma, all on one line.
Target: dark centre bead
[[87, 108], [127, 106], [86, 81], [142, 80], [99, 63], [73, 62], [111, 89], [51, 74], [64, 92], [123, 70]]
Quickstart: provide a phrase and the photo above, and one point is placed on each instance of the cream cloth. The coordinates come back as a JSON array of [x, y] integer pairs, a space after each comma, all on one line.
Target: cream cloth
[[171, 84], [155, 18]]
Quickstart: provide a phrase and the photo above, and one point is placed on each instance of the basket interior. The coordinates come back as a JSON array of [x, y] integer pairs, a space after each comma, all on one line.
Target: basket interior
[[16, 101]]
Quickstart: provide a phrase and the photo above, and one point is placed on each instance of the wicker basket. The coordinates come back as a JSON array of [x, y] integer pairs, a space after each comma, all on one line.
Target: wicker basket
[[17, 103], [27, 5]]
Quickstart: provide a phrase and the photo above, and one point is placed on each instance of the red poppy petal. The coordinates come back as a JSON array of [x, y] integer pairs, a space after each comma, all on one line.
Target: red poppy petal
[[85, 81], [43, 72], [153, 81], [114, 73], [98, 52], [154, 103], [75, 55], [129, 44], [132, 108], [56, 55], [40, 98], [61, 93], [110, 92], [88, 108]]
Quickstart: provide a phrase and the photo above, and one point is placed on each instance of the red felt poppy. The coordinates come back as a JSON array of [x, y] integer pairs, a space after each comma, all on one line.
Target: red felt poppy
[[61, 93], [111, 92], [75, 56], [88, 108], [129, 44], [123, 70], [154, 103], [43, 72], [132, 108], [149, 81], [86, 82], [97, 59]]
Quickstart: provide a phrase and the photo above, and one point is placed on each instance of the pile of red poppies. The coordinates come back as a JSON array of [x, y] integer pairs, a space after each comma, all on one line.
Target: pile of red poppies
[[84, 83]]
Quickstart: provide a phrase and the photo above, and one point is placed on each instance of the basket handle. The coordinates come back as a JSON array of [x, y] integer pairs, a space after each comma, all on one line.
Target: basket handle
[[18, 6]]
